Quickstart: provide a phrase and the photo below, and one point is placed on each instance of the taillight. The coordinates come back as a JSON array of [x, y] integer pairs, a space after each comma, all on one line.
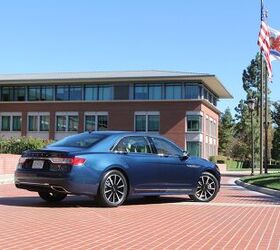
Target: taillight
[[77, 161], [20, 162]]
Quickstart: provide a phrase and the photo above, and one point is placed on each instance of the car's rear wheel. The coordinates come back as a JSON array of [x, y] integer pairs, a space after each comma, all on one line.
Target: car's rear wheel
[[52, 196], [207, 188], [113, 189]]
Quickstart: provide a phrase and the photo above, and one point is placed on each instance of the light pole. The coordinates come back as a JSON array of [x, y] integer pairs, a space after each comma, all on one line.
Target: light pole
[[251, 106]]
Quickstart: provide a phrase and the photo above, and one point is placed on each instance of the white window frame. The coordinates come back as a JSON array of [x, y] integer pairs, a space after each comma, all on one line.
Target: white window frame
[[11, 115], [38, 114], [95, 114], [67, 114], [146, 114]]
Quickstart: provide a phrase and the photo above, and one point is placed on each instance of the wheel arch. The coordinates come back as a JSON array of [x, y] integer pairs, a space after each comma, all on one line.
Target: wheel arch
[[122, 170]]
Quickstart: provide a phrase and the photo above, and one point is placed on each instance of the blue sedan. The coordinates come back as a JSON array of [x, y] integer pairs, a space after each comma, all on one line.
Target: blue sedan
[[112, 166]]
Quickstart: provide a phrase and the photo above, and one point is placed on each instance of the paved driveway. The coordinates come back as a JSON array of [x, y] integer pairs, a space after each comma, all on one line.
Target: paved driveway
[[237, 219]]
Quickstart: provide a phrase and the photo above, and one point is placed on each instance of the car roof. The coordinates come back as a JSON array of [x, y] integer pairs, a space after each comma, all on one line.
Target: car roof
[[123, 133]]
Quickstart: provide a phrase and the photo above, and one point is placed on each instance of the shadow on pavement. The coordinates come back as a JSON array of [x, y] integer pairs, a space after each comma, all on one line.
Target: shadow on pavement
[[82, 201]]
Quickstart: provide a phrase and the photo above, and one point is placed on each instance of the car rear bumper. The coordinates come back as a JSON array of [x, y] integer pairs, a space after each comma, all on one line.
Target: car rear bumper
[[70, 183]]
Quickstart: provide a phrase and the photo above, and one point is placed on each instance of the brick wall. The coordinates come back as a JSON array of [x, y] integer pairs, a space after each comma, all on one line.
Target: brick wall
[[8, 163]]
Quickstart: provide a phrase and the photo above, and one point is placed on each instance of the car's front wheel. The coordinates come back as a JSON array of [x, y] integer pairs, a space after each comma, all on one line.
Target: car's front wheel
[[52, 196], [113, 189], [207, 188]]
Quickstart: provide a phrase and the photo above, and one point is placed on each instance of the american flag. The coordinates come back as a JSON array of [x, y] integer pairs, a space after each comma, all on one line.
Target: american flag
[[264, 43]]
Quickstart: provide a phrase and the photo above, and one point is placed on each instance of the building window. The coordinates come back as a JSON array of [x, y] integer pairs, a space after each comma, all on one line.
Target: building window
[[67, 122], [34, 93], [44, 122], [96, 121], [62, 93], [194, 148], [73, 123], [155, 92], [46, 93], [16, 123], [5, 123], [173, 92], [147, 121], [192, 92], [91, 93], [75, 93], [90, 122], [194, 123], [32, 123], [19, 94], [105, 93], [7, 94], [140, 92], [61, 123], [140, 123], [11, 122], [102, 122]]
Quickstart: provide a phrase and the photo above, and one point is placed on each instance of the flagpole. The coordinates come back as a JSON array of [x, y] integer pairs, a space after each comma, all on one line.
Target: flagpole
[[266, 125], [261, 104], [261, 118]]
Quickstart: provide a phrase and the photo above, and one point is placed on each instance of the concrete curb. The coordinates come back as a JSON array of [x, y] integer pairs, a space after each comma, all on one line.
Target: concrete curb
[[259, 189], [6, 179]]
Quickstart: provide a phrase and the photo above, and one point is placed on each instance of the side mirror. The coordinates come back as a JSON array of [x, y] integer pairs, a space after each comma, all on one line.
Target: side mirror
[[185, 155]]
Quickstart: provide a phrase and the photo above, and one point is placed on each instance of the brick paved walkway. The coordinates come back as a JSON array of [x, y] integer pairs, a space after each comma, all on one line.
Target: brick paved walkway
[[237, 219]]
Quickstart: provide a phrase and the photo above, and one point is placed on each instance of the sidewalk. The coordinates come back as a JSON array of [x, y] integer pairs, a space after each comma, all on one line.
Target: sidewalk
[[6, 179]]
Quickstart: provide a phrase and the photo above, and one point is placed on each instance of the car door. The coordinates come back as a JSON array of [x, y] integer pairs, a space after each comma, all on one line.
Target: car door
[[173, 170], [142, 163]]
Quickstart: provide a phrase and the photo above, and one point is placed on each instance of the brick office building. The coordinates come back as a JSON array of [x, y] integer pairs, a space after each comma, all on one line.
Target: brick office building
[[181, 106]]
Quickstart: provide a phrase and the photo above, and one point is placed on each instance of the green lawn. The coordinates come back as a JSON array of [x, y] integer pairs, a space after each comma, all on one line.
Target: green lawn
[[268, 180]]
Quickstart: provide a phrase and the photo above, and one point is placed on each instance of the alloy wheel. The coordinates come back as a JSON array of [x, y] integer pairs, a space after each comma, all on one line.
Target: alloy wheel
[[206, 187]]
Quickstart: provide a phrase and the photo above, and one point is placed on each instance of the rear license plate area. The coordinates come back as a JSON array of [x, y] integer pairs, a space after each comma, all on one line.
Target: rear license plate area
[[37, 164]]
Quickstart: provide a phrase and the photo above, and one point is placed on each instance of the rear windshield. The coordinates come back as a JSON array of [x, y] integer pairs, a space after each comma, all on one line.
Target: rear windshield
[[85, 140]]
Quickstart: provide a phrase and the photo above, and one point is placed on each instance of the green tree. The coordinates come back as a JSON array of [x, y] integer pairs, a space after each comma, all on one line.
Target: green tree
[[275, 151], [226, 127]]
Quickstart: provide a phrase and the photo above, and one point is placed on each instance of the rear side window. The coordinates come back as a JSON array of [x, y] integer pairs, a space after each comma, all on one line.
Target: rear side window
[[133, 144], [165, 147], [85, 140]]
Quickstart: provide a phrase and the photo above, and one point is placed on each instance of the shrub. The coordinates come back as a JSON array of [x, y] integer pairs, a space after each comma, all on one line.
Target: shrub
[[18, 145], [218, 159]]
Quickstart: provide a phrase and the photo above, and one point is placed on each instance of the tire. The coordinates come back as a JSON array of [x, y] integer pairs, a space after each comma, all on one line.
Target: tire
[[207, 188], [52, 196], [112, 189]]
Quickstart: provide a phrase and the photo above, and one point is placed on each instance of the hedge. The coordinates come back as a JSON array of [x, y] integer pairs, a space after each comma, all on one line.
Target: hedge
[[18, 145]]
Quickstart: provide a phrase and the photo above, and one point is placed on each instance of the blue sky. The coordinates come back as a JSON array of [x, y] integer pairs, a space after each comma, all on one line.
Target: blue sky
[[217, 37]]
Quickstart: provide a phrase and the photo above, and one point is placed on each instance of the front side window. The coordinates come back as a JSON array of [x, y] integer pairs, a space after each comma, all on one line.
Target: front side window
[[44, 122], [16, 123], [194, 123], [5, 123], [32, 123], [133, 144], [173, 92], [140, 92], [165, 147]]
